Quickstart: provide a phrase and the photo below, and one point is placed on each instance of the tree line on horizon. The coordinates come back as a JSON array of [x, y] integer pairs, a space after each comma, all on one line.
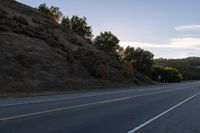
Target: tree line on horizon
[[189, 67], [131, 58]]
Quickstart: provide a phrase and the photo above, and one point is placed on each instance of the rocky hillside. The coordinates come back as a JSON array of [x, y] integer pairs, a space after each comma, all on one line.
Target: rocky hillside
[[37, 54]]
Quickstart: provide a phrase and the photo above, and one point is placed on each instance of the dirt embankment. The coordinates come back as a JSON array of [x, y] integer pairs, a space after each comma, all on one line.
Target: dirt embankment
[[37, 54]]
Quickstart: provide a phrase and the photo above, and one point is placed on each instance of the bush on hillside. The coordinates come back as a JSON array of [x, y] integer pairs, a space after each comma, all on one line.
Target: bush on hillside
[[142, 59], [107, 42], [53, 12], [167, 74], [78, 25], [127, 68], [189, 67]]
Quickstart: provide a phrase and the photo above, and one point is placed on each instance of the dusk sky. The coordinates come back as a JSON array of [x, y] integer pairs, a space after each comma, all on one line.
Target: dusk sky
[[168, 28]]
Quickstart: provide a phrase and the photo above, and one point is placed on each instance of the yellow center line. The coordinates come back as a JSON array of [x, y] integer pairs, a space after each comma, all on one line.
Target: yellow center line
[[81, 105]]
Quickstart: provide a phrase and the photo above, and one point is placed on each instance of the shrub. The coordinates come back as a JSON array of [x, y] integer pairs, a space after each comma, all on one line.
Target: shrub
[[100, 71], [93, 63], [167, 74], [53, 12], [120, 53], [78, 25], [127, 68], [187, 66], [142, 59], [107, 42]]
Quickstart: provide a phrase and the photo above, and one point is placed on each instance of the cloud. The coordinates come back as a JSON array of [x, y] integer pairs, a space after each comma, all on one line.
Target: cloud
[[179, 47], [195, 27], [185, 42], [175, 48], [181, 43]]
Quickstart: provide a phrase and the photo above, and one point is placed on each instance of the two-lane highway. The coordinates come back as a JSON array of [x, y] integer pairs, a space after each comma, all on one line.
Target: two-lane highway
[[164, 108]]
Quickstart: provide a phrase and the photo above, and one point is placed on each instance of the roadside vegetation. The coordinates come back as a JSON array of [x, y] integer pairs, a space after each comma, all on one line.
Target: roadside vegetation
[[53, 12], [189, 67], [166, 74], [78, 25], [132, 59]]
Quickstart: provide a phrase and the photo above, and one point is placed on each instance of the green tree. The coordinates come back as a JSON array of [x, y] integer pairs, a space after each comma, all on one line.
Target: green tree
[[78, 25], [189, 67], [141, 59], [53, 12], [107, 42], [66, 21], [120, 53], [167, 74]]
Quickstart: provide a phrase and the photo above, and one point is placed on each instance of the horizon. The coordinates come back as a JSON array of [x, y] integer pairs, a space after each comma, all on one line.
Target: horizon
[[169, 29]]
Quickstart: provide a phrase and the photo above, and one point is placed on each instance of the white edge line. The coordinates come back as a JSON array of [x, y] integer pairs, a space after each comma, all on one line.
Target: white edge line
[[161, 114]]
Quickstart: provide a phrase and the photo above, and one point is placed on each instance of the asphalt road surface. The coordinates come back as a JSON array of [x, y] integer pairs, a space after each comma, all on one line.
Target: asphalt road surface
[[164, 108]]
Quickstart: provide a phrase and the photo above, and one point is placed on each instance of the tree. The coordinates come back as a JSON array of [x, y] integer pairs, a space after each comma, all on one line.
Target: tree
[[166, 74], [141, 59], [66, 21], [120, 53], [78, 25], [127, 68], [53, 12], [189, 67], [107, 42]]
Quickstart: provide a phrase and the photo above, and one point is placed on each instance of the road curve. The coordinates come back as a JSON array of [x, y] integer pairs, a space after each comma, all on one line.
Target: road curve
[[164, 108]]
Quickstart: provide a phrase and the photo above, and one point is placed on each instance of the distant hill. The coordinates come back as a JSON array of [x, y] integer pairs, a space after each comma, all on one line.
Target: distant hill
[[37, 54], [189, 67]]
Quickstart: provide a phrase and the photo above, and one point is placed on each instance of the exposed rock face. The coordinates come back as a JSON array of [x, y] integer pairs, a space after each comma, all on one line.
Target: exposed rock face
[[39, 55]]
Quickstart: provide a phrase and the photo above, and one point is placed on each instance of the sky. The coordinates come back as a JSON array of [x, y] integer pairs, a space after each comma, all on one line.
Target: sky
[[167, 28]]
